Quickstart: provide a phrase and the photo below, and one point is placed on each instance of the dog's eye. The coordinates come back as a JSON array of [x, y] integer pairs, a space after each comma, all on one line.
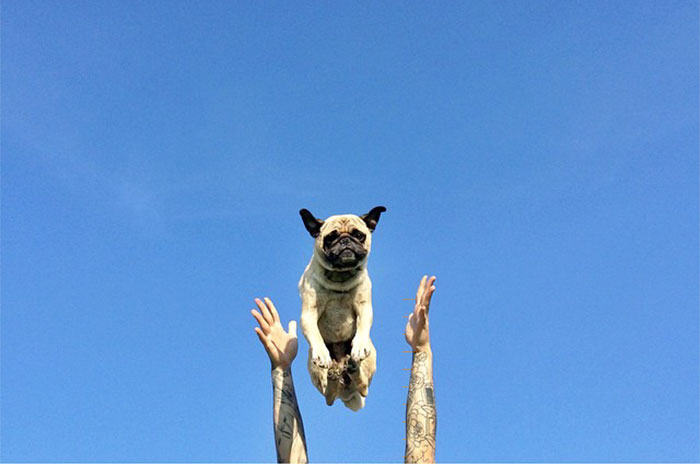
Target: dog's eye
[[332, 236], [358, 235]]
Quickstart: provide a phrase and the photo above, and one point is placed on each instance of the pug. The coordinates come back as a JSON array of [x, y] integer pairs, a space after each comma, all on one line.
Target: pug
[[336, 306]]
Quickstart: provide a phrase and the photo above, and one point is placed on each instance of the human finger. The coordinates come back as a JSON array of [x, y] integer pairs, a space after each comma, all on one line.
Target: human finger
[[263, 339], [426, 299], [419, 292], [421, 318], [416, 308], [428, 295], [293, 328], [426, 285], [263, 323], [264, 311], [273, 310]]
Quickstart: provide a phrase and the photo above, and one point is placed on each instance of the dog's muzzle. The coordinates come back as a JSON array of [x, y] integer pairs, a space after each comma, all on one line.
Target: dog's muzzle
[[345, 252]]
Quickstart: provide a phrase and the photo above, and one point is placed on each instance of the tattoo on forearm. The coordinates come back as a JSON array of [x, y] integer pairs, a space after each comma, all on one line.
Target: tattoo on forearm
[[421, 415], [290, 441]]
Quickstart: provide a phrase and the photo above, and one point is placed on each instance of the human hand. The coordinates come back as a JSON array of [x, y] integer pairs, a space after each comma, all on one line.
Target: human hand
[[417, 327], [281, 346]]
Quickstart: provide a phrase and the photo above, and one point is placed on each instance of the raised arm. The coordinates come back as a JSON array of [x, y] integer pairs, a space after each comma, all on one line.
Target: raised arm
[[421, 415], [282, 348]]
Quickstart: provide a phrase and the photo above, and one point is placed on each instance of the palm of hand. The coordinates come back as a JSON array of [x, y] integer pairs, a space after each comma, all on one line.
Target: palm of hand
[[416, 336], [285, 345]]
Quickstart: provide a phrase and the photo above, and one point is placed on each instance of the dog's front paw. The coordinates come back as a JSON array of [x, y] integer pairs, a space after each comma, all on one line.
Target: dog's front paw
[[361, 348], [319, 377], [321, 357]]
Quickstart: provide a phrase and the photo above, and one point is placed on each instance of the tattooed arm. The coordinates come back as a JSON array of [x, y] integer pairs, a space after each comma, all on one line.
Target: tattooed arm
[[282, 348], [289, 429], [421, 415]]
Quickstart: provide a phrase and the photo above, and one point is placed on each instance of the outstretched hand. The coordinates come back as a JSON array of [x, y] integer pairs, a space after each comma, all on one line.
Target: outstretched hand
[[417, 327], [281, 346]]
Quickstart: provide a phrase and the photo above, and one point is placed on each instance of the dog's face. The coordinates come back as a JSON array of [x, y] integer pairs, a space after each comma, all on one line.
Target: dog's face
[[342, 242]]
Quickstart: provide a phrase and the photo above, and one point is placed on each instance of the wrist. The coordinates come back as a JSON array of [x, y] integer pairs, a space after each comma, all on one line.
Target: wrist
[[423, 349], [281, 367]]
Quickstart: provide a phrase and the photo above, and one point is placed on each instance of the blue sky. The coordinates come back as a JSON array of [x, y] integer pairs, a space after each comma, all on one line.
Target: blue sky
[[540, 158]]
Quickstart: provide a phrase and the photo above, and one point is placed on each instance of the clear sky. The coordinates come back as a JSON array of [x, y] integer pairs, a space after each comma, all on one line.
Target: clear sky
[[540, 158]]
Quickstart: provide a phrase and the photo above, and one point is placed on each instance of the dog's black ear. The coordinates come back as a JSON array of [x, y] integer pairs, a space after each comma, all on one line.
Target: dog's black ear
[[372, 218], [312, 224]]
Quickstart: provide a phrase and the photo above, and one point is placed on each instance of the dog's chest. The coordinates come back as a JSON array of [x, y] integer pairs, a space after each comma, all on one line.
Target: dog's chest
[[337, 321]]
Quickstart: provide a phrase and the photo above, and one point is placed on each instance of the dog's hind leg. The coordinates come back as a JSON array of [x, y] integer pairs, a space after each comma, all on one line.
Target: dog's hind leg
[[333, 385], [319, 375]]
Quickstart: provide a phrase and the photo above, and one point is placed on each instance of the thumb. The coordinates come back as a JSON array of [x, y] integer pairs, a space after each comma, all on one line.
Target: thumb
[[293, 328]]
